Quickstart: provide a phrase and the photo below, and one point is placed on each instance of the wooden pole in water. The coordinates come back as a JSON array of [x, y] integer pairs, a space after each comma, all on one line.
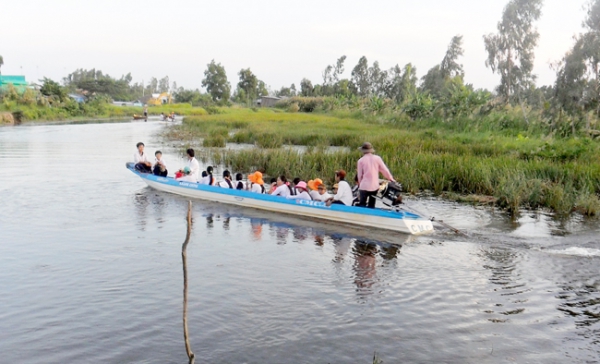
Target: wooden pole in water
[[188, 348]]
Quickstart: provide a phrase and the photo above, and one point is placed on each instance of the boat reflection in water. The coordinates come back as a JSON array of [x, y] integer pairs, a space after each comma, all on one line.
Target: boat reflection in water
[[361, 253]]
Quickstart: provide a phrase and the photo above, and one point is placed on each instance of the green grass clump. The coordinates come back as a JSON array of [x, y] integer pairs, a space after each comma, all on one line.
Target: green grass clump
[[216, 141]]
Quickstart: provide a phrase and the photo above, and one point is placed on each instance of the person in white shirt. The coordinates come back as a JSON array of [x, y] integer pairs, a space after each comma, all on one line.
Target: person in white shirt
[[140, 159], [159, 168], [226, 182], [187, 176], [193, 165], [205, 180], [256, 183], [322, 194], [313, 186], [211, 178], [283, 188], [301, 192], [343, 195]]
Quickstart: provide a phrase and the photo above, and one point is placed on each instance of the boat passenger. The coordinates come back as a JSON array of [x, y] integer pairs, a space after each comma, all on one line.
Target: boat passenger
[[193, 164], [294, 183], [239, 185], [283, 187], [314, 185], [187, 175], [273, 185], [256, 183], [368, 168], [211, 178], [301, 192], [226, 182], [140, 159], [323, 194], [205, 180], [343, 192], [159, 168], [145, 112]]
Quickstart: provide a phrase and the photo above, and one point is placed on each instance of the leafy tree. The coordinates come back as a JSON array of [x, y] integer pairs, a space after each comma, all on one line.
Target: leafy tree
[[377, 80], [306, 87], [577, 84], [433, 82], [215, 81], [360, 77], [152, 86], [163, 84], [52, 88], [194, 97], [95, 82], [450, 66], [262, 89], [339, 69], [248, 85], [511, 50], [402, 83]]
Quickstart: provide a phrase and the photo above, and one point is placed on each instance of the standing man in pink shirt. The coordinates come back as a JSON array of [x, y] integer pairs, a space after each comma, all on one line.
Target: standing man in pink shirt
[[369, 167]]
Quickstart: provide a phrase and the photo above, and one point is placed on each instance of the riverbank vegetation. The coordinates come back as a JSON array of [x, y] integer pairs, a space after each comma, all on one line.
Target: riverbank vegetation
[[498, 155]]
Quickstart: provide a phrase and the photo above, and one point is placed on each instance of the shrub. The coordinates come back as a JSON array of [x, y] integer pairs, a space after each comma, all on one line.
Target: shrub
[[294, 107], [216, 141]]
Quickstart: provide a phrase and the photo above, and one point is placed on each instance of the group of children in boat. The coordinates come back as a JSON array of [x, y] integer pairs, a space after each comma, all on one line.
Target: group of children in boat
[[362, 194]]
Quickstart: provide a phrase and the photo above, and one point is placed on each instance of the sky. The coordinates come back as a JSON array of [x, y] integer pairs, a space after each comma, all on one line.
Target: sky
[[280, 41]]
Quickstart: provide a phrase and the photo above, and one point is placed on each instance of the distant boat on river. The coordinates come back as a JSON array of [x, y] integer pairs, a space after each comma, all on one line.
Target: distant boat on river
[[394, 220]]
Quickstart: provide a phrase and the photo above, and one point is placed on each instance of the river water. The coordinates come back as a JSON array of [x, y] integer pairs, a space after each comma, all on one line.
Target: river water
[[90, 272]]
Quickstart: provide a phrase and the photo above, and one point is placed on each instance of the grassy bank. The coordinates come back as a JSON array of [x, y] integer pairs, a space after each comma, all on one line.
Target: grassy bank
[[73, 110], [498, 155]]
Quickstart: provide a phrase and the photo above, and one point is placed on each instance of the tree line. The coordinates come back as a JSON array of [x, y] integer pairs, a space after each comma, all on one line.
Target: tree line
[[510, 55]]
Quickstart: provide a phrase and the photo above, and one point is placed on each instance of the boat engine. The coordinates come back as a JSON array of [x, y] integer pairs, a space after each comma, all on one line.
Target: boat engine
[[390, 193]]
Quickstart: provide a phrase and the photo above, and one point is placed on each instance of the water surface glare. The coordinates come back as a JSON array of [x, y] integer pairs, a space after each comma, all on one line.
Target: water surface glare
[[90, 272]]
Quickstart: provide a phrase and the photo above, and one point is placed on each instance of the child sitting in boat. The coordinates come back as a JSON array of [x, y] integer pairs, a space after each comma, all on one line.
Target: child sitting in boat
[[313, 185], [283, 188], [301, 192], [140, 159], [159, 168], [186, 176], [239, 185], [256, 183], [226, 182]]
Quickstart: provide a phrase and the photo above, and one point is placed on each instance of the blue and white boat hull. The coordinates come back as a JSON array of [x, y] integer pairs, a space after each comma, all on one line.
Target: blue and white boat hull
[[400, 221]]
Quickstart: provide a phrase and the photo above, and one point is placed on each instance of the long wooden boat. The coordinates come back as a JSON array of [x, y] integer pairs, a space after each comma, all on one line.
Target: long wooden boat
[[394, 220]]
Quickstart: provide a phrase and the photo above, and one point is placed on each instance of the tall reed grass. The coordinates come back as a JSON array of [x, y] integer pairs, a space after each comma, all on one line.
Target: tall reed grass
[[519, 167]]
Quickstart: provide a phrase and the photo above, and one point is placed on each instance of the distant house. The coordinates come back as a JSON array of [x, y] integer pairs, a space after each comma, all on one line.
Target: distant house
[[18, 83], [267, 101], [160, 99]]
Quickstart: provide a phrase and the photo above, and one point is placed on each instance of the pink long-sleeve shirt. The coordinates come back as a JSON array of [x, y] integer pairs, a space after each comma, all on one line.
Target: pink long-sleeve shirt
[[369, 167]]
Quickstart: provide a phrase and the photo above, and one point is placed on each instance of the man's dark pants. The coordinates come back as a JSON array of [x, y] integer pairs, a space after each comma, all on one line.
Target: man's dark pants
[[367, 198]]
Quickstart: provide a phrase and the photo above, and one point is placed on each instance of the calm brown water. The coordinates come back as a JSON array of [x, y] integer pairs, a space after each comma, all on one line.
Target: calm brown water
[[90, 272]]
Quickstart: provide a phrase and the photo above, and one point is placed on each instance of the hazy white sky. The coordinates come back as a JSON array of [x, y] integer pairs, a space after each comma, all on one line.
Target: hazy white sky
[[281, 41]]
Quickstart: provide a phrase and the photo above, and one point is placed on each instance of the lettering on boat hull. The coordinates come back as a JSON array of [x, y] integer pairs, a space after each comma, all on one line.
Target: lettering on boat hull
[[311, 203], [420, 228]]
